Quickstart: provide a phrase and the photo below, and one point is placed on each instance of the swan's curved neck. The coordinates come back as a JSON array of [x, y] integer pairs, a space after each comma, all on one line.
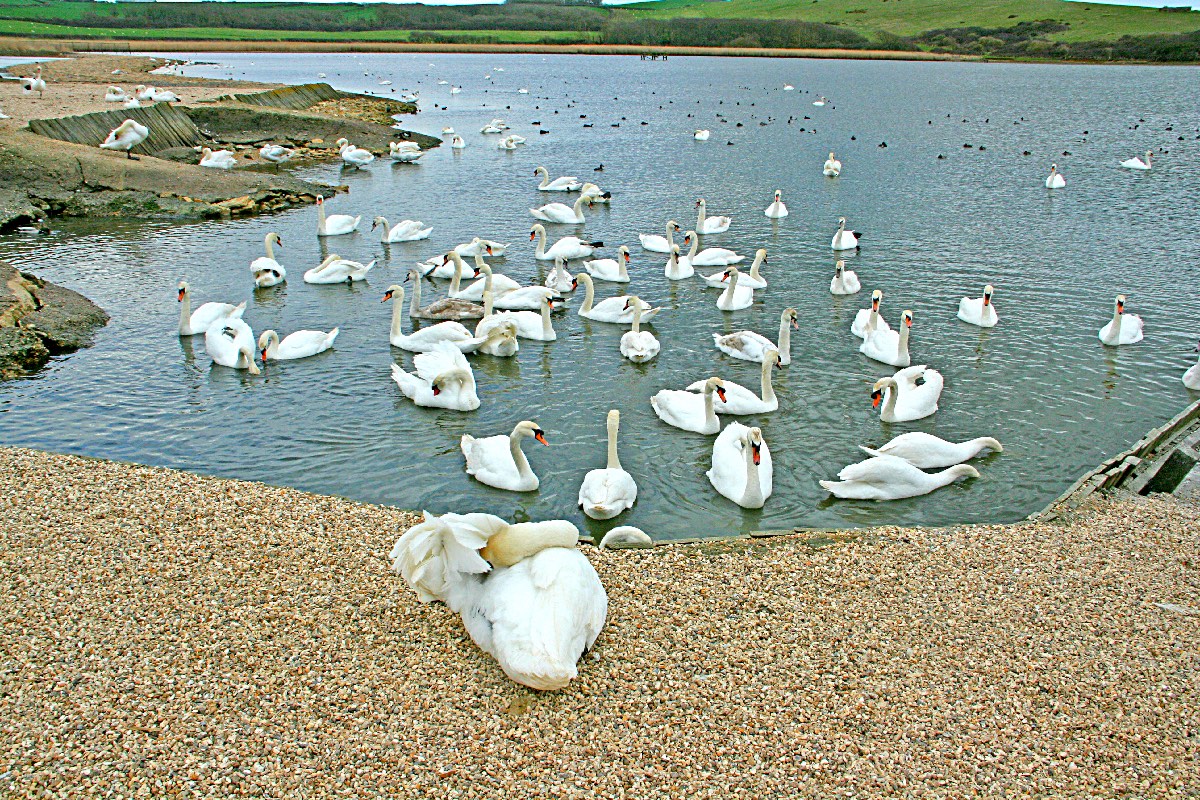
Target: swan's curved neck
[[547, 328], [768, 390], [1116, 323], [752, 496], [398, 315], [621, 269], [272, 344], [579, 207], [700, 217], [613, 461], [732, 290], [589, 296], [545, 180], [637, 318], [518, 455], [185, 310], [541, 243], [710, 415], [785, 340], [890, 393], [321, 217], [673, 264], [670, 236], [414, 307], [756, 266], [383, 230], [488, 304], [267, 242], [902, 343], [456, 281], [695, 246]]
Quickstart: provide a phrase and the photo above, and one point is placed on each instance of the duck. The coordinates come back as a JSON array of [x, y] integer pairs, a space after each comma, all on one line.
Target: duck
[[275, 153], [498, 285], [408, 230], [353, 156], [115, 94], [1191, 378], [443, 379], [741, 466], [701, 135], [192, 323], [457, 142], [267, 271], [676, 269], [688, 410], [740, 401], [559, 279], [905, 400], [1055, 180], [735, 297], [707, 224], [844, 239], [126, 136], [335, 224], [613, 270], [844, 281], [335, 269], [424, 340], [1123, 328], [229, 342], [888, 346], [926, 451], [832, 167], [498, 461], [979, 310], [568, 247], [752, 346], [868, 320], [709, 256], [217, 159], [300, 344], [612, 309], [526, 594], [637, 345], [567, 183], [561, 213], [479, 246], [776, 210], [753, 278], [448, 308], [34, 84], [607, 492], [1137, 163], [536, 326], [660, 244], [891, 478]]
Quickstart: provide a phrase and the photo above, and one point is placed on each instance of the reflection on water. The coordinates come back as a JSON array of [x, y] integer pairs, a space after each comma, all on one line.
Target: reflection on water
[[935, 230]]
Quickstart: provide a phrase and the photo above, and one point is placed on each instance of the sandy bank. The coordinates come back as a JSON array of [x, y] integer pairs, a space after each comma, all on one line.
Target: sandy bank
[[175, 634]]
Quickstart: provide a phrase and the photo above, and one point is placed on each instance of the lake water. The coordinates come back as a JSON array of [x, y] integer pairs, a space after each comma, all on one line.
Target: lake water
[[936, 230]]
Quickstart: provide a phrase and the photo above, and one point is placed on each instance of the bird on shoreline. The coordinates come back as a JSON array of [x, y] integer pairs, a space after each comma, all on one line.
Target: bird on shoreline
[[126, 136]]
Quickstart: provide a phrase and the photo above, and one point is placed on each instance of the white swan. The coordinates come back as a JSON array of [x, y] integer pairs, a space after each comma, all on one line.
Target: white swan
[[751, 346], [300, 344], [132, 103], [739, 401], [844, 281], [335, 269], [405, 231], [507, 143], [1191, 378], [353, 156], [35, 84], [735, 297], [753, 278], [164, 96], [707, 224], [336, 224], [115, 94], [607, 492], [891, 478], [638, 345], [448, 308], [568, 247], [1137, 163], [612, 309], [844, 239], [1123, 328], [458, 142], [427, 338], [568, 183], [821, 101], [404, 155], [126, 136], [676, 269], [625, 537], [275, 153], [143, 92], [688, 410], [613, 270], [195, 322], [527, 298], [741, 466], [701, 135], [595, 194], [660, 244], [776, 210], [267, 271], [229, 342], [927, 451], [498, 285], [217, 159], [903, 399], [709, 256], [979, 310], [443, 379], [832, 167], [499, 461], [525, 324], [480, 246], [869, 319], [536, 607], [559, 279], [1055, 180], [888, 346], [561, 213]]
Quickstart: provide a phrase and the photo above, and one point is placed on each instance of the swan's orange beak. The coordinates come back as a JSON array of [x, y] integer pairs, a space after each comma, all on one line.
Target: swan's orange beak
[[574, 283], [437, 390], [1120, 308], [627, 258], [478, 272], [757, 454], [874, 305], [386, 296], [876, 398], [181, 295], [908, 321], [279, 241], [532, 236], [540, 435], [721, 393], [687, 240], [445, 259], [264, 356], [550, 304], [725, 275], [795, 323], [488, 248]]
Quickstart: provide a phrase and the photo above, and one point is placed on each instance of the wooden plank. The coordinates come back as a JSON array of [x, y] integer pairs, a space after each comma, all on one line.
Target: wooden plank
[[169, 127]]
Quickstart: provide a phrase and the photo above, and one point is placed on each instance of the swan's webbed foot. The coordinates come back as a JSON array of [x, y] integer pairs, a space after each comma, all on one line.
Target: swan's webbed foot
[[129, 154]]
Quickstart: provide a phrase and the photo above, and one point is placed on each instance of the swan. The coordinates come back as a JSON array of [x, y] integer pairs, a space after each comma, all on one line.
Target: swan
[[595, 194], [499, 461], [607, 492], [1123, 328], [821, 101], [507, 143], [217, 159], [610, 269], [568, 183], [638, 345], [891, 478], [568, 247], [888, 346], [447, 130], [115, 94], [1055, 180], [267, 271], [335, 269], [527, 298], [424, 340], [498, 285], [735, 297], [777, 210], [443, 379], [709, 256], [676, 269], [559, 279], [486, 129], [1137, 163], [926, 451], [163, 95], [844, 239], [844, 281], [660, 244], [903, 399], [561, 213], [1191, 378], [143, 92], [536, 607], [275, 153], [753, 278], [479, 246], [458, 142], [229, 342], [688, 410], [126, 136], [979, 310], [132, 103], [195, 322], [402, 154], [832, 167], [35, 84], [612, 309], [335, 225], [500, 341], [525, 324], [706, 224], [448, 308], [869, 319], [701, 135], [300, 344], [406, 231], [353, 156], [626, 537], [751, 346], [739, 400], [446, 266], [741, 466]]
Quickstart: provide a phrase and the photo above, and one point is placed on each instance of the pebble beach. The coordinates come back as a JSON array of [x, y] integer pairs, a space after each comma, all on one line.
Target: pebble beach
[[167, 634]]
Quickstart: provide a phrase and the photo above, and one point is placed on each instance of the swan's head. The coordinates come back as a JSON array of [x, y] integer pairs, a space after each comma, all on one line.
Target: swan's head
[[778, 194], [413, 275], [375, 223], [963, 471], [340, 143], [275, 239], [772, 357], [140, 87], [482, 269], [451, 376], [487, 248], [539, 170], [394, 292], [700, 203], [877, 390], [204, 153], [987, 294], [754, 438], [633, 301], [264, 343], [675, 250], [841, 222], [840, 267], [184, 288], [581, 277], [991, 444], [535, 230], [1120, 304], [906, 318], [532, 430], [876, 296], [623, 252], [831, 158], [1053, 167], [790, 314], [687, 237], [673, 225], [320, 199], [715, 384]]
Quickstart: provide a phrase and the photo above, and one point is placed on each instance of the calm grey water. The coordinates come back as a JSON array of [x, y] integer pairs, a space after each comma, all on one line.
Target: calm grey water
[[936, 230]]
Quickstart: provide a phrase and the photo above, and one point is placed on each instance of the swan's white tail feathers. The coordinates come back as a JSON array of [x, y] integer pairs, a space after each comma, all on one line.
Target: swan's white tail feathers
[[437, 556], [238, 310], [329, 337], [407, 383], [871, 452]]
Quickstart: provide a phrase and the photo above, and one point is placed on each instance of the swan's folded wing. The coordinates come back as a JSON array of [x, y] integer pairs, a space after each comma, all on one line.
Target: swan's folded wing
[[910, 375], [409, 384], [432, 554], [441, 357], [882, 469]]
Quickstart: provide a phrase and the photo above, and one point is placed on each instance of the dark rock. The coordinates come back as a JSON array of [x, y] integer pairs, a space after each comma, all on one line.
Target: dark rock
[[21, 352], [39, 319]]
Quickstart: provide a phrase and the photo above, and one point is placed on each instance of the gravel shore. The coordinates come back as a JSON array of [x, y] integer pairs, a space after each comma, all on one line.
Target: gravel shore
[[173, 635]]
